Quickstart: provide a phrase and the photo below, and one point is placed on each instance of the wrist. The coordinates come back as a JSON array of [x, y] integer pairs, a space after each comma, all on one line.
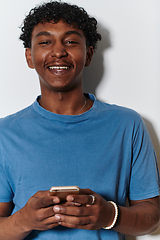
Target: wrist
[[116, 216], [21, 223]]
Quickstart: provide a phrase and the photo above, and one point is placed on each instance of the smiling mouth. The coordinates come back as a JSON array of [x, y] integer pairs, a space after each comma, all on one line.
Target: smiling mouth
[[59, 68]]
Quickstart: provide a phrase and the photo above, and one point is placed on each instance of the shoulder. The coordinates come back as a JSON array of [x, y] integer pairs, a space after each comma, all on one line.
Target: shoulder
[[118, 113], [16, 118]]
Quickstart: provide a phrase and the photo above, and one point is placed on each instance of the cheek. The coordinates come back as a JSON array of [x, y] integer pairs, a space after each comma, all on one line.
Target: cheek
[[81, 62], [80, 58], [39, 58]]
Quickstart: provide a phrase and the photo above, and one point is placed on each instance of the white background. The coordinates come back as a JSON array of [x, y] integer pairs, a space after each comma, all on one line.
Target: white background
[[125, 69]]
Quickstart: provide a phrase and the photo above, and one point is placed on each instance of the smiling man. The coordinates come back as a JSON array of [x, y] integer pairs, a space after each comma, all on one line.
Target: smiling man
[[67, 137], [59, 54]]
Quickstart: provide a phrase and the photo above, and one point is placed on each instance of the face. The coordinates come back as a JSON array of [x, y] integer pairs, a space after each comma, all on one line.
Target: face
[[59, 54]]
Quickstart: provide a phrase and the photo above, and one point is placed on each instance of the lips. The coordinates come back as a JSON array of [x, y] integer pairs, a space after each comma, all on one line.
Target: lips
[[58, 67]]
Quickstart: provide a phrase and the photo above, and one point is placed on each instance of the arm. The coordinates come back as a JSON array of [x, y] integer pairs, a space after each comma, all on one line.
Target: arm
[[142, 217], [8, 226], [36, 214]]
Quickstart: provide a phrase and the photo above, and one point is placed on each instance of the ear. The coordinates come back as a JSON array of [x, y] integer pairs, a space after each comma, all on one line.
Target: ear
[[29, 57], [89, 55]]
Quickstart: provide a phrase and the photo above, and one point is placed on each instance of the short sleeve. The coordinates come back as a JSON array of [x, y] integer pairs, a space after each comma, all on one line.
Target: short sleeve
[[144, 181], [6, 194]]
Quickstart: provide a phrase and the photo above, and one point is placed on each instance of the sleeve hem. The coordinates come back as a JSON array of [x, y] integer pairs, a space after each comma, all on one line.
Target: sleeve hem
[[3, 200], [143, 196]]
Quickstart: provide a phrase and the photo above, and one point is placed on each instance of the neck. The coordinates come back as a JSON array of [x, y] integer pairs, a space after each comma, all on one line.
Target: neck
[[65, 103]]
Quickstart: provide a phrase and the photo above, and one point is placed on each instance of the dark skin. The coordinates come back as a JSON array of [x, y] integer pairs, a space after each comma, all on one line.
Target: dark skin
[[59, 54], [43, 212], [60, 45]]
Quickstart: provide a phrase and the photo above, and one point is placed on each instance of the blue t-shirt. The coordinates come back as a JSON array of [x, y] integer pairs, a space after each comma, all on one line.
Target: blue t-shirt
[[106, 149]]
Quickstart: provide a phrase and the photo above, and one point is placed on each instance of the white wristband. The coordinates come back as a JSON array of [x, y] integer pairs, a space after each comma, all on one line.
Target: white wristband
[[115, 216]]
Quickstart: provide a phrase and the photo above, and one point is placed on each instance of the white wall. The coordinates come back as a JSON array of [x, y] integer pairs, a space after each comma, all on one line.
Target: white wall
[[125, 69]]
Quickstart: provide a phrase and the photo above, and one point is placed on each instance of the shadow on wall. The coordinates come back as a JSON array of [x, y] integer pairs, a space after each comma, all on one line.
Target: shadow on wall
[[156, 145], [130, 238], [154, 139], [92, 77], [93, 74]]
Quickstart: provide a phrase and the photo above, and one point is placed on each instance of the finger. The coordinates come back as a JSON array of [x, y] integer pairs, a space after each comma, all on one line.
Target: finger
[[72, 210], [43, 219], [76, 222], [42, 194], [82, 199], [44, 202], [46, 224], [44, 213], [86, 191], [70, 225]]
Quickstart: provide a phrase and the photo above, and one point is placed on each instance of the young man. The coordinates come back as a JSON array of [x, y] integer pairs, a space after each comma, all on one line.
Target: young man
[[67, 137]]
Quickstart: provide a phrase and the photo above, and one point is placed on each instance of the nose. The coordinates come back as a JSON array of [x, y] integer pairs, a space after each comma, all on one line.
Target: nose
[[58, 50]]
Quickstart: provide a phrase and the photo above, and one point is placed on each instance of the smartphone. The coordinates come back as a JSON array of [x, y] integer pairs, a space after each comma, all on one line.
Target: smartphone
[[63, 191]]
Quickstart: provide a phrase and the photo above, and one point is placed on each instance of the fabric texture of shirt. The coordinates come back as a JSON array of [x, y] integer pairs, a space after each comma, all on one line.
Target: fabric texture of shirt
[[106, 149]]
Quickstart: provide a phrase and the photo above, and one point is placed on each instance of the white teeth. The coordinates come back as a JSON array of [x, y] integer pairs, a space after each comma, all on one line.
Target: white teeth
[[58, 67]]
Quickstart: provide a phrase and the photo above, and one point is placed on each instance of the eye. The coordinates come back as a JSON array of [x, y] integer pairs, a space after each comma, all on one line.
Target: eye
[[70, 42], [45, 43]]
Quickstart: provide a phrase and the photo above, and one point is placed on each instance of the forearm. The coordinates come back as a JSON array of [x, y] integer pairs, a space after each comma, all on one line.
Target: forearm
[[11, 228], [140, 219], [37, 214]]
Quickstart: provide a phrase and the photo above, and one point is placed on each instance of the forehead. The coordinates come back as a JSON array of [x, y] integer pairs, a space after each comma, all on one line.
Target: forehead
[[56, 29]]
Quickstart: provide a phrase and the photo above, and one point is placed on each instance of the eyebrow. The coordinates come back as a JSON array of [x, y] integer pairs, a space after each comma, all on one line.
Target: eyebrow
[[45, 33], [73, 32]]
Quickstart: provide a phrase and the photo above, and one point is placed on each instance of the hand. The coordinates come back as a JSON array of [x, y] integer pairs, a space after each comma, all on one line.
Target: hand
[[81, 214], [38, 212]]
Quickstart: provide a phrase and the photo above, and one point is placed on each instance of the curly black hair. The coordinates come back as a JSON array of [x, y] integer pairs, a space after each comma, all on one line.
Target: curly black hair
[[56, 11]]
